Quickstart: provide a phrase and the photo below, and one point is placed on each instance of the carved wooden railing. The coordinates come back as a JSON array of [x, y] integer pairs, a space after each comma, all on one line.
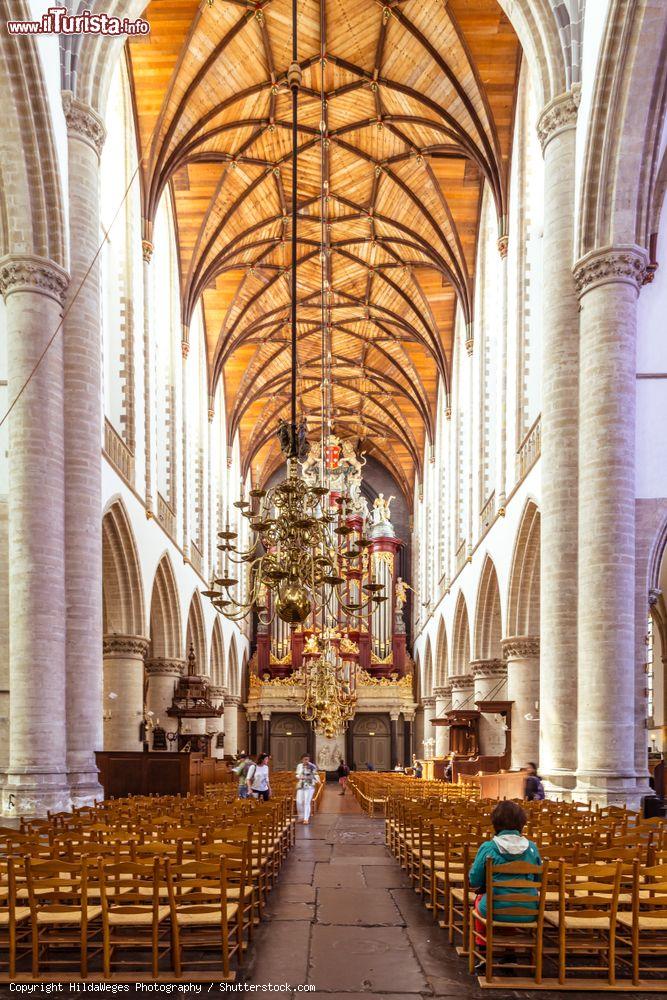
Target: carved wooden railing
[[461, 556], [196, 557], [118, 452], [166, 516], [487, 514], [529, 450]]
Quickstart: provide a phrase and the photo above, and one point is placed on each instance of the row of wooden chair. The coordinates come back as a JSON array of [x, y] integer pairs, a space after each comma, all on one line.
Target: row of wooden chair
[[595, 910], [154, 878]]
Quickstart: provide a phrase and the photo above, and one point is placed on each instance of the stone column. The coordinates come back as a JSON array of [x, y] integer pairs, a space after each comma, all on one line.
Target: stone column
[[149, 291], [231, 724], [83, 437], [522, 653], [443, 704], [393, 738], [123, 690], [34, 290], [608, 281], [162, 675], [266, 732], [408, 750], [463, 686], [490, 684], [429, 728], [558, 467], [217, 696]]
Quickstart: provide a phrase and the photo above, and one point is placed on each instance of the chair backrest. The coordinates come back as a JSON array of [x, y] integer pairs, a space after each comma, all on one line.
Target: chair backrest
[[519, 886], [130, 886], [59, 886], [589, 890], [198, 884]]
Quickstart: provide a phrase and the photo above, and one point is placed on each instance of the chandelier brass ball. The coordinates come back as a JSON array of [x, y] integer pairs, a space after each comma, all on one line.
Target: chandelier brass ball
[[293, 605]]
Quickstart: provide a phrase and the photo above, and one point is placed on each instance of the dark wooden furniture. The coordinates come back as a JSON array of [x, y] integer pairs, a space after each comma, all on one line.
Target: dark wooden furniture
[[463, 728], [128, 772]]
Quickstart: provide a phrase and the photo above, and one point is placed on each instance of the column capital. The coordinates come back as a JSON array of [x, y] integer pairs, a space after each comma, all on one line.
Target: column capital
[[624, 264], [461, 681], [83, 122], [488, 668], [559, 115], [216, 692], [444, 691], [164, 667], [25, 272], [232, 699], [520, 647], [125, 645], [428, 702]]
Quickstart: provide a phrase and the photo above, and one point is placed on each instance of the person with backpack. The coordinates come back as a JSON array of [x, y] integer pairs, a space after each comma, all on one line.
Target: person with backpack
[[241, 771], [259, 785], [306, 780]]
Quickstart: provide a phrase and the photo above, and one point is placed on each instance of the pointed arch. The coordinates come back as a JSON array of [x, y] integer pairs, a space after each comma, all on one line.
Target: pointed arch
[[441, 668], [32, 220], [233, 679], [122, 588], [523, 615], [460, 662], [195, 634], [488, 615], [165, 620], [427, 670], [217, 667]]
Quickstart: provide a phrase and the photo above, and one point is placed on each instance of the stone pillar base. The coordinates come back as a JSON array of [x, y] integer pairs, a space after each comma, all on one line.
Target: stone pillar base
[[34, 793], [83, 778], [559, 785], [607, 789]]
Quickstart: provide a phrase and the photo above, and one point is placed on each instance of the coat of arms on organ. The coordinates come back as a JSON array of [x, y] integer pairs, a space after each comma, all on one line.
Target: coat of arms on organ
[[375, 642]]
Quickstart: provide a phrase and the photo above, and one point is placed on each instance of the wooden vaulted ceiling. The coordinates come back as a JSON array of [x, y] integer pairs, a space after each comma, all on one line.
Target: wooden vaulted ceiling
[[419, 110]]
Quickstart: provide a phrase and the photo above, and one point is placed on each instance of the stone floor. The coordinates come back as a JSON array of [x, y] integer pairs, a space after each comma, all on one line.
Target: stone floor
[[344, 918]]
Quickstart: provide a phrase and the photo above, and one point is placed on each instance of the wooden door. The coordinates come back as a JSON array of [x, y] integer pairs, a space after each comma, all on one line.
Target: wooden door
[[371, 742], [289, 741]]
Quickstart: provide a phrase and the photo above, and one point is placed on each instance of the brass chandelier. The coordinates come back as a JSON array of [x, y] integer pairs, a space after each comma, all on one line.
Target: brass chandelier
[[330, 697], [299, 561]]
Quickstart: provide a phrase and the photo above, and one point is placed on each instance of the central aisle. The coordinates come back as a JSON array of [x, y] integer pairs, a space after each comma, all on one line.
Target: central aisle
[[344, 918]]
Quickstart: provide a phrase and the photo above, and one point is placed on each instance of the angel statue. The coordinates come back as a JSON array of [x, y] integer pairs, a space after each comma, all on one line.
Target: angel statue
[[401, 593], [381, 511]]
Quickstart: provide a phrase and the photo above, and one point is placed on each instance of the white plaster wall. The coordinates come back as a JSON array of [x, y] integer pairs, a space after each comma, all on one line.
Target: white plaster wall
[[499, 544], [152, 542]]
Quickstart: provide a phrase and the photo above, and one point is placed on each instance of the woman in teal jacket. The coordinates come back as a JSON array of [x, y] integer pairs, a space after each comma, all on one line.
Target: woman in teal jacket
[[508, 819]]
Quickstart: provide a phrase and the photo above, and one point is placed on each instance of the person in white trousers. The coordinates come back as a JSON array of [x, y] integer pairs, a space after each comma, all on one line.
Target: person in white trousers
[[306, 780]]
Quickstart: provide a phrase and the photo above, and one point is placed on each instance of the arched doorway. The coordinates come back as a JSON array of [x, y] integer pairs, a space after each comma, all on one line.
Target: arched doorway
[[371, 742], [289, 741]]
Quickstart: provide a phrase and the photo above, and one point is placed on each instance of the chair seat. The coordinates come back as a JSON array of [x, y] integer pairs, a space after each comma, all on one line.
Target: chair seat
[[460, 894], [118, 917], [578, 923], [21, 913], [645, 923], [67, 916], [199, 917]]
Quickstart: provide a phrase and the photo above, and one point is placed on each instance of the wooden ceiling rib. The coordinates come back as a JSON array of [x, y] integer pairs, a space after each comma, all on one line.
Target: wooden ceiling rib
[[418, 117]]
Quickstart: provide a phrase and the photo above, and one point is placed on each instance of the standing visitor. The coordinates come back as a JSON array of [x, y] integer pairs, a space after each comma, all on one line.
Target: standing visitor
[[258, 782], [343, 773], [306, 779], [241, 771], [534, 786], [417, 767]]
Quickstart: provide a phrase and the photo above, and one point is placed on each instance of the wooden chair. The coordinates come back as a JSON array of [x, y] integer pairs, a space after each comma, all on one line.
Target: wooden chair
[[134, 918], [198, 923], [518, 925], [585, 921], [644, 930], [14, 919], [62, 915]]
